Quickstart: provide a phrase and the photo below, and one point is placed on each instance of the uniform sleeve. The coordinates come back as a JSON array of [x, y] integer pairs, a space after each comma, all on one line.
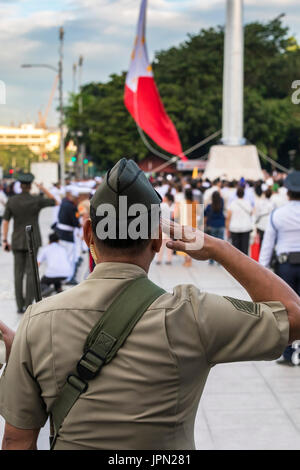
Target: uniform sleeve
[[7, 212], [21, 404], [268, 245], [46, 202], [233, 330], [75, 220]]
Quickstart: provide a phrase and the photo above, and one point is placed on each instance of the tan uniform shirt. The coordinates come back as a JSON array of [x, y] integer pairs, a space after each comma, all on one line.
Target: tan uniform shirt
[[147, 397]]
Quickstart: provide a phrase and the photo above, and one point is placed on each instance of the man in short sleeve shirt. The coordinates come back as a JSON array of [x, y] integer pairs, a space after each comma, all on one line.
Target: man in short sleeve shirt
[[147, 396]]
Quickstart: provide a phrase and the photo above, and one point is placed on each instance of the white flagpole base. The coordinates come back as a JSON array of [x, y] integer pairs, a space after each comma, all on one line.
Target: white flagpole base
[[233, 163]]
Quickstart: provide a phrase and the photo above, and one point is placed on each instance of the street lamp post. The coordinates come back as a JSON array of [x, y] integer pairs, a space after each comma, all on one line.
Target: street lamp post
[[81, 173], [59, 71], [61, 109], [74, 78]]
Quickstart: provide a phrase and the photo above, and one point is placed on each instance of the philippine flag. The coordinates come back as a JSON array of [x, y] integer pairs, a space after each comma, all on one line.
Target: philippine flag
[[142, 98]]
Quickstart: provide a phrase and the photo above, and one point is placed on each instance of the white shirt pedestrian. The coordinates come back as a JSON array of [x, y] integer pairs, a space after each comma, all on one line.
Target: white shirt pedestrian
[[3, 201], [241, 216], [263, 209], [56, 259]]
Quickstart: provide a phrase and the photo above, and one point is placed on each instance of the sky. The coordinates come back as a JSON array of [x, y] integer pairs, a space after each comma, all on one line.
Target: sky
[[103, 32]]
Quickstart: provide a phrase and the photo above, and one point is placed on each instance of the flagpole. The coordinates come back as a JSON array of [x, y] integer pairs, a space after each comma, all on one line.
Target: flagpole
[[233, 75]]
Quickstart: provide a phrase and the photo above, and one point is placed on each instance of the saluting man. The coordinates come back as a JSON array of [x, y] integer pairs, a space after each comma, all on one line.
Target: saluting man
[[24, 209], [147, 396], [283, 236]]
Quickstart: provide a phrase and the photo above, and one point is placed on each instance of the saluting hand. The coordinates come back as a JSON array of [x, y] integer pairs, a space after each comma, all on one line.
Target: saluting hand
[[197, 244], [40, 186]]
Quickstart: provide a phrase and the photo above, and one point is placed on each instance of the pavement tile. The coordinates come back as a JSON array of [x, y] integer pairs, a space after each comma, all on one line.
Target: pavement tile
[[260, 429]]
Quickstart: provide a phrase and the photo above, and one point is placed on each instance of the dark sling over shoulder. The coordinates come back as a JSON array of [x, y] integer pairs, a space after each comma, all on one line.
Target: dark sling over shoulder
[[103, 343]]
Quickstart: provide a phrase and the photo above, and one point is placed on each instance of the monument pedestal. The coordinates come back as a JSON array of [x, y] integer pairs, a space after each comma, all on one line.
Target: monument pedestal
[[233, 163]]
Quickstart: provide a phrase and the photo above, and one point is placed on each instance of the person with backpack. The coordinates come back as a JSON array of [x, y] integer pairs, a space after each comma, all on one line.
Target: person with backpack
[[116, 361]]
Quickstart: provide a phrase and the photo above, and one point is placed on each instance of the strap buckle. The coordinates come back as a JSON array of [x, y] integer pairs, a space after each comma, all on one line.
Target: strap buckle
[[77, 383], [283, 258], [89, 365]]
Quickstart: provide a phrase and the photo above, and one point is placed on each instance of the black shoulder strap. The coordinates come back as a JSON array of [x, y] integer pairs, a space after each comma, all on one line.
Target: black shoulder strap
[[103, 342]]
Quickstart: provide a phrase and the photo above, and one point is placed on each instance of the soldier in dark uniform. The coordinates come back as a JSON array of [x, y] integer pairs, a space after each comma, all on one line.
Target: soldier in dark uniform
[[67, 222], [24, 208]]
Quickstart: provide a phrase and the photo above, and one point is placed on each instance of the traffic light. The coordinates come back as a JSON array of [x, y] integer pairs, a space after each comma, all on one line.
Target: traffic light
[[74, 159], [11, 171], [85, 161]]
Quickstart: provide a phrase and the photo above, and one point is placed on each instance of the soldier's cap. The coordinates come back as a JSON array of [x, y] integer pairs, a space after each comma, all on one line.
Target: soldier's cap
[[292, 182], [25, 178], [73, 190], [126, 179]]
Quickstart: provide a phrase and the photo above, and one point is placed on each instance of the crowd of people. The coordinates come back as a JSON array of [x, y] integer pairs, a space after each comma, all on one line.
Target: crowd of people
[[238, 211], [152, 343], [259, 218]]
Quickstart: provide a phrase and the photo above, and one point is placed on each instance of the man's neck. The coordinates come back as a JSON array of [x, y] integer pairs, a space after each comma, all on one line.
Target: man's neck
[[142, 263]]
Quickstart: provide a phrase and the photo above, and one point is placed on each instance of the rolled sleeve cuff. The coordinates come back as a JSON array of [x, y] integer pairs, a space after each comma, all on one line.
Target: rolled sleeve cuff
[[281, 316], [21, 423]]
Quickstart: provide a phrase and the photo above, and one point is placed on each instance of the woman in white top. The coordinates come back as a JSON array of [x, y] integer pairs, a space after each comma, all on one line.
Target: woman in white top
[[263, 209], [239, 223]]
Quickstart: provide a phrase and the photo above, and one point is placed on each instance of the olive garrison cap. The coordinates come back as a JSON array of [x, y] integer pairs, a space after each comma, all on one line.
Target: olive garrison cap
[[292, 181], [25, 178], [125, 179]]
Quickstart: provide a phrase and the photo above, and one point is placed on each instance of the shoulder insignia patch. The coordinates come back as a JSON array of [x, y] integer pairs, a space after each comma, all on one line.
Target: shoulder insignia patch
[[244, 306]]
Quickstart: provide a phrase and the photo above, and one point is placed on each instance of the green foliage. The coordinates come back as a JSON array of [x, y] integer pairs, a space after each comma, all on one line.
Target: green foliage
[[107, 129], [189, 78], [18, 157]]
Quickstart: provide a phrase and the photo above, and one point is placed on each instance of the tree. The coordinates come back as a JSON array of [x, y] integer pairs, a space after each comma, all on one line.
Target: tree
[[16, 157], [107, 129], [189, 78]]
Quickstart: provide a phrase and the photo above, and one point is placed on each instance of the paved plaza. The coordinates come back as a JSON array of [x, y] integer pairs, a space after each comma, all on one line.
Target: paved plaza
[[254, 405]]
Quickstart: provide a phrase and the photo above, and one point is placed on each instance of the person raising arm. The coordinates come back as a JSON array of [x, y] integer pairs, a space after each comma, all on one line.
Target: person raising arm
[[261, 284]]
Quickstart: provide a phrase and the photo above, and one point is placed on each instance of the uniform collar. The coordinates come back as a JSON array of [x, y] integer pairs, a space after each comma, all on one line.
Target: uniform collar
[[117, 271]]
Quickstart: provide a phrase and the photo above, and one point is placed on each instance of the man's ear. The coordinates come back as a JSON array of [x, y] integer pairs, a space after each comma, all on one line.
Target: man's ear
[[87, 232], [157, 242]]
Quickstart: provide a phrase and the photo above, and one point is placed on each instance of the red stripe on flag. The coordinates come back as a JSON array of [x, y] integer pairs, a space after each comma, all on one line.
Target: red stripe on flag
[[148, 111]]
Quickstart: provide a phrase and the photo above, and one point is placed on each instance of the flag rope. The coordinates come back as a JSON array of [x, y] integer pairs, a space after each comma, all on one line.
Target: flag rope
[[273, 162], [164, 156], [270, 160]]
